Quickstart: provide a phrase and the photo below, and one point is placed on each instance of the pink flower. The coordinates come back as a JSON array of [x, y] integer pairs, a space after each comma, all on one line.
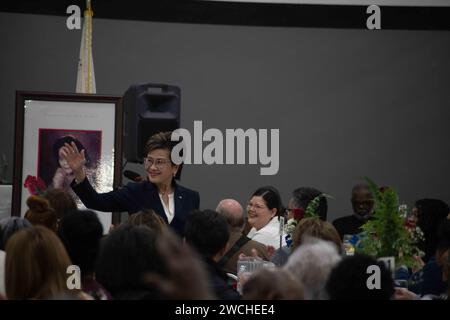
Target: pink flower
[[299, 213], [410, 223], [35, 186]]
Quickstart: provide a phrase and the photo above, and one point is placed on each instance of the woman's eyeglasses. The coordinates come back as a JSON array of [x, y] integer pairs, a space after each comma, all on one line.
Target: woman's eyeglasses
[[255, 206], [297, 213], [159, 163]]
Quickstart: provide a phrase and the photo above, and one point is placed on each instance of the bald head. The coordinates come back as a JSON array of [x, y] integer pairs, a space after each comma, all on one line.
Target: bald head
[[233, 212]]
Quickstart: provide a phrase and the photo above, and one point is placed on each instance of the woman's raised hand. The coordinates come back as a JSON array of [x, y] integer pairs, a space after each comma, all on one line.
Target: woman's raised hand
[[75, 159]]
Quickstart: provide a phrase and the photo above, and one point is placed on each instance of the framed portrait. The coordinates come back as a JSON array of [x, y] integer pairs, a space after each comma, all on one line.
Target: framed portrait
[[44, 122]]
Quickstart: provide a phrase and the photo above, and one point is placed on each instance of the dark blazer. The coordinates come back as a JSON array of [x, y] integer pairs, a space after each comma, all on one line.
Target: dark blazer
[[218, 281], [136, 196]]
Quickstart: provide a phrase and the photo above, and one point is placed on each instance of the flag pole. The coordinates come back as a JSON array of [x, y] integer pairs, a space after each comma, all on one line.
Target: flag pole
[[86, 75], [88, 15]]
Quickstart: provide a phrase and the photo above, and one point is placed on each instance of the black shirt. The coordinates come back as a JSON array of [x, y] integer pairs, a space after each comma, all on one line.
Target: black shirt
[[348, 225]]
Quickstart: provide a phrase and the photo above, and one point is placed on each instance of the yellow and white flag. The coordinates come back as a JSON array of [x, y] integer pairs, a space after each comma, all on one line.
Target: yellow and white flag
[[86, 76]]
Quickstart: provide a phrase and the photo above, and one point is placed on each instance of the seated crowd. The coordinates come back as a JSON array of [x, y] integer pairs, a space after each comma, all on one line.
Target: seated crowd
[[144, 258]]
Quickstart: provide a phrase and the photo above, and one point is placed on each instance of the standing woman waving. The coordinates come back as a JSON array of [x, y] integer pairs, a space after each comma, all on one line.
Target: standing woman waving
[[159, 192]]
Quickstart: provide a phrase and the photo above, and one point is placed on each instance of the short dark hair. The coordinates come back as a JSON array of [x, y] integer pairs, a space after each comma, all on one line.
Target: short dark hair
[[207, 231], [348, 280], [68, 139], [81, 232], [162, 140], [125, 256], [271, 197], [304, 195], [360, 188]]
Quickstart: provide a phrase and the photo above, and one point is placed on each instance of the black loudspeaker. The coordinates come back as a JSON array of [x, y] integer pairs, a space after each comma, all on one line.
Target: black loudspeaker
[[148, 109]]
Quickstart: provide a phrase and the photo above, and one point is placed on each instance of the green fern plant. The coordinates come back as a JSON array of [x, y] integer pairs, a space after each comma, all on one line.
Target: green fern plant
[[386, 234], [313, 205]]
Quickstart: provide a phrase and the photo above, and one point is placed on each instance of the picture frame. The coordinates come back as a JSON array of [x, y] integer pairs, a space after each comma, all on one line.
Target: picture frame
[[44, 121]]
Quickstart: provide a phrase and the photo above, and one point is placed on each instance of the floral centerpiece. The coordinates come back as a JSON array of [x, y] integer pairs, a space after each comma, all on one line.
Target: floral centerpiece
[[390, 232]]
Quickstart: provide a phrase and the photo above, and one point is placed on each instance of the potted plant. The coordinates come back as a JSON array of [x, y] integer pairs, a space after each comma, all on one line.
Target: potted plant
[[390, 232]]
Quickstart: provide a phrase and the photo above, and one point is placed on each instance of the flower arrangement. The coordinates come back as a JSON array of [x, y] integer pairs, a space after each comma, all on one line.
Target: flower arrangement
[[390, 233], [289, 229], [299, 214], [35, 185]]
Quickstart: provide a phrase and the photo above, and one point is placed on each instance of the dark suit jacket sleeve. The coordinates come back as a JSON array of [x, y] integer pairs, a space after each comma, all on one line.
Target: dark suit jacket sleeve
[[109, 202], [196, 200]]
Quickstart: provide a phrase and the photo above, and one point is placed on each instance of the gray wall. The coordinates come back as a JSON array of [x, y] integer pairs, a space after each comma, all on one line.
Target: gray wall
[[348, 103]]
